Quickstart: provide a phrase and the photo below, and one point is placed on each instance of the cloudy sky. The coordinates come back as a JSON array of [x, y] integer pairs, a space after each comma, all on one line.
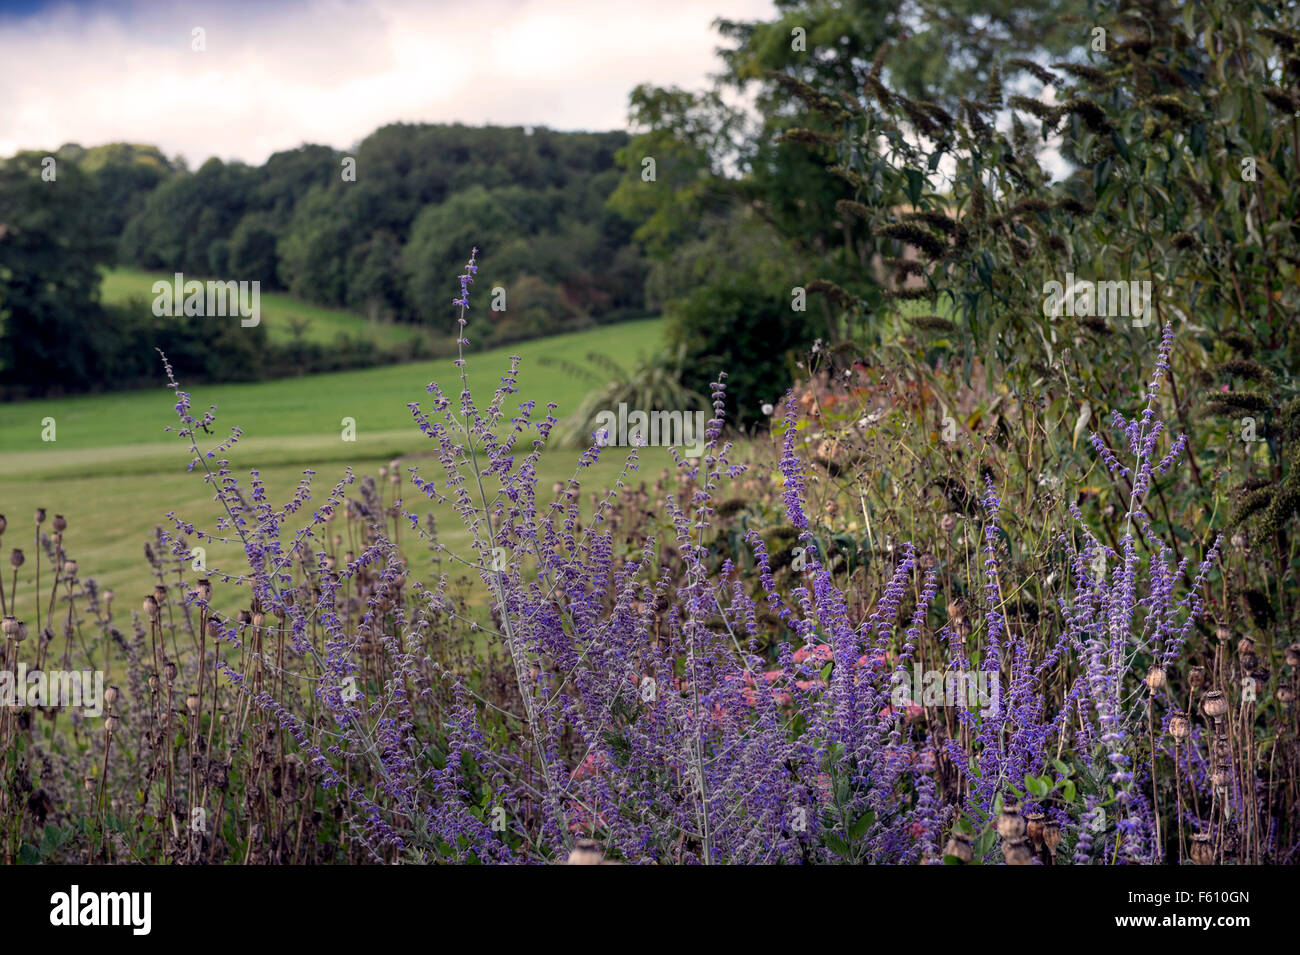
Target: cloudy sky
[[273, 75]]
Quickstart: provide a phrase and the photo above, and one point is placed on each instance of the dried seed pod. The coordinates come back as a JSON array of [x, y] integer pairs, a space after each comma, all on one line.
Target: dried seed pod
[[1214, 704], [1196, 676], [40, 515], [16, 558], [1052, 835], [1221, 778], [169, 671], [259, 619], [204, 589], [111, 724], [1202, 849], [947, 523], [10, 625], [1293, 655], [160, 594], [1034, 829], [70, 567], [1017, 853], [1180, 727], [245, 618], [586, 852], [111, 695], [1155, 678], [150, 605], [1246, 646], [154, 683], [1222, 632], [1285, 695], [3, 525], [959, 846], [192, 703], [1011, 824], [60, 523]]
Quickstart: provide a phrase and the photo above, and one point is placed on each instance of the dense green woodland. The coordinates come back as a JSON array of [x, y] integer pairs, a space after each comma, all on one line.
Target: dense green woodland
[[375, 230]]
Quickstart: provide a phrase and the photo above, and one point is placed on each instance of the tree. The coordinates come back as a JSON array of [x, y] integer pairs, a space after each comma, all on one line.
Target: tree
[[51, 322]]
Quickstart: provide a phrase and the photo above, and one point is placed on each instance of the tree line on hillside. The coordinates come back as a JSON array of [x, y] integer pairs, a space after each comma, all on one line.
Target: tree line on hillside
[[373, 230]]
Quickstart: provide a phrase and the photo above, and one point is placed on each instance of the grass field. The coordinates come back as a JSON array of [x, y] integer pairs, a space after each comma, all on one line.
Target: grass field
[[114, 473], [279, 312]]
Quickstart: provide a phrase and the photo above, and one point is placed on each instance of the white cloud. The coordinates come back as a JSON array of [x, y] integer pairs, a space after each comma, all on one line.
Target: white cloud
[[332, 71]]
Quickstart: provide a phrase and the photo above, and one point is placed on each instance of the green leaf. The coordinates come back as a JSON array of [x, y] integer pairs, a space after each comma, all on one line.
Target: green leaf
[[859, 828], [915, 182], [837, 845], [1081, 423], [1037, 786]]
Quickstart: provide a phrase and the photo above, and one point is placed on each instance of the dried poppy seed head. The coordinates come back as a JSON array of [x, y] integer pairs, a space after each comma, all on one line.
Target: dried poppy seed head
[[1034, 828], [60, 523], [1246, 646], [1222, 633], [1011, 825], [70, 568], [1017, 853], [108, 596], [585, 852], [110, 695], [111, 724], [1293, 655], [169, 671], [959, 847], [245, 618], [1285, 695], [160, 594], [1052, 835], [150, 605], [204, 589], [1202, 849], [10, 625], [1180, 727], [16, 558], [1196, 676], [259, 619], [153, 683], [214, 628], [947, 523], [1214, 704], [40, 515], [3, 524], [1221, 777], [1155, 679], [89, 784], [192, 703]]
